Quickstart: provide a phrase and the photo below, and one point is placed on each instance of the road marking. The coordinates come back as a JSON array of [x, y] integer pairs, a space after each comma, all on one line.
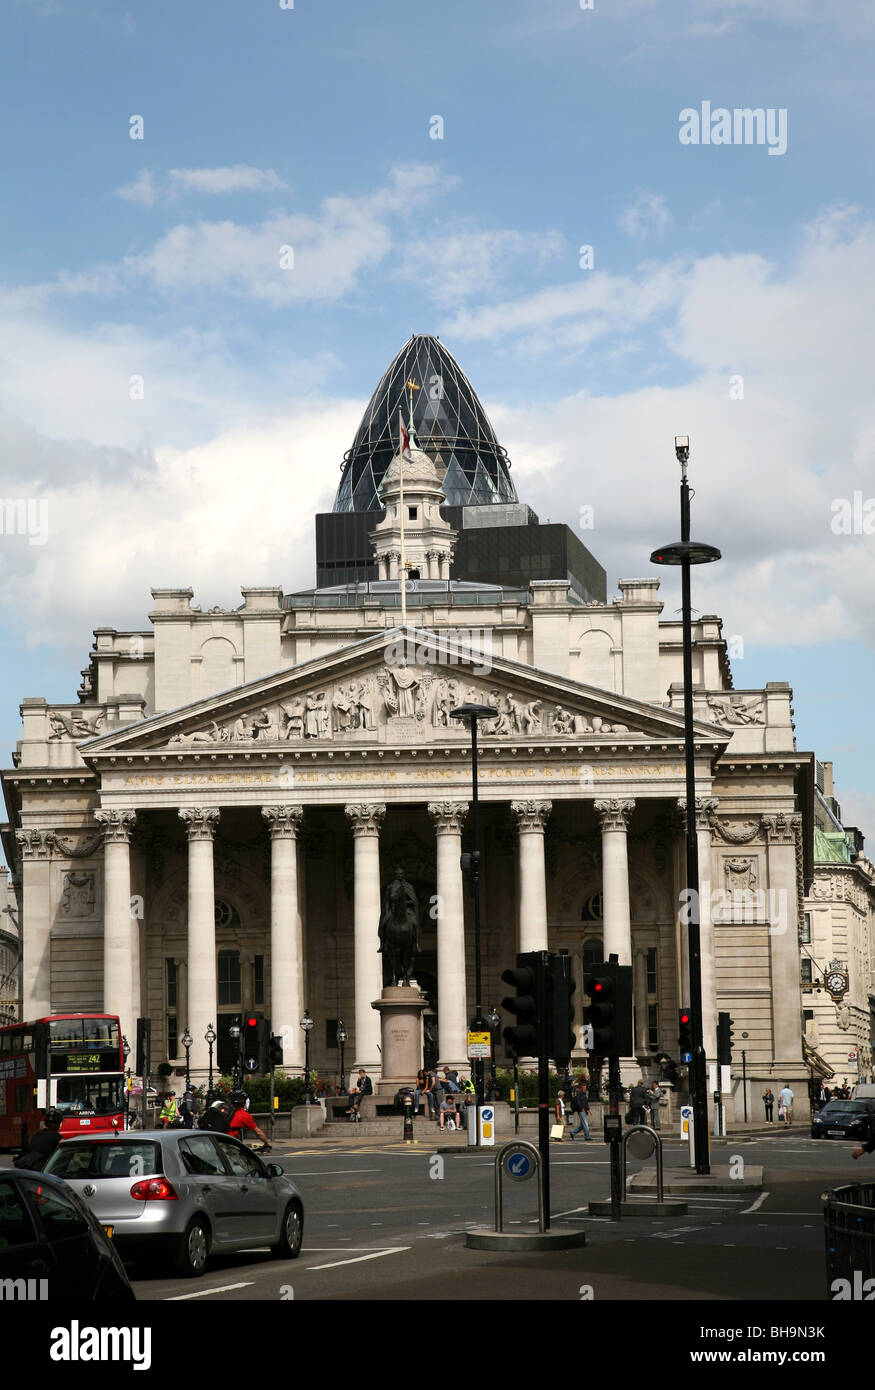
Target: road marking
[[332, 1172], [678, 1231], [555, 1215], [205, 1293], [375, 1255], [757, 1204]]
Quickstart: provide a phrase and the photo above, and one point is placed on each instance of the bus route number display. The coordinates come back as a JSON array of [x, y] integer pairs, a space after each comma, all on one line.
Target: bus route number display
[[83, 1061]]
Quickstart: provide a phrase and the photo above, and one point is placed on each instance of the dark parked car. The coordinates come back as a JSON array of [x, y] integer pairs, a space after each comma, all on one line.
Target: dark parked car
[[51, 1247], [844, 1119], [174, 1196]]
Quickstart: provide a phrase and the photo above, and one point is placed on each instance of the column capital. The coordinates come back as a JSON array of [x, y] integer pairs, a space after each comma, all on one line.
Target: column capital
[[706, 810], [365, 817], [200, 822], [531, 815], [283, 821], [448, 816], [614, 813], [34, 844], [117, 825], [780, 828]]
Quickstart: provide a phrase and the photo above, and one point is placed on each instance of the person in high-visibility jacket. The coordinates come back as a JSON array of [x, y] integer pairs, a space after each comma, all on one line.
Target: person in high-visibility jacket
[[169, 1114]]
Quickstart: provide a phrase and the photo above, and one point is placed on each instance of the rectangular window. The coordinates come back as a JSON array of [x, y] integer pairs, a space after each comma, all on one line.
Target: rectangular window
[[806, 929], [411, 513], [172, 1036], [651, 971], [259, 979], [331, 1033], [806, 971], [171, 984], [229, 977], [652, 1027]]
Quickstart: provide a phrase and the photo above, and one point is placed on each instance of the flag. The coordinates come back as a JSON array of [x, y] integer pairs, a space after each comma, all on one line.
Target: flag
[[405, 439]]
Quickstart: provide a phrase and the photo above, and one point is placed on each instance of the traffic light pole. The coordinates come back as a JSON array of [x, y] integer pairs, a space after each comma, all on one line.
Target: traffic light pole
[[698, 1070], [544, 1132], [614, 1092]]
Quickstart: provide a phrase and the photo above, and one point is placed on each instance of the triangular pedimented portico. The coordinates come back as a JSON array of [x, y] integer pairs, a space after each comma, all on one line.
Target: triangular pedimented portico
[[398, 688]]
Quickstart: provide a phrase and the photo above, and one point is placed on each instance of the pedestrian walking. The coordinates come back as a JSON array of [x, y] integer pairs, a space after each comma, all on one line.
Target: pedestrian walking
[[787, 1099], [654, 1096], [769, 1103], [580, 1108]]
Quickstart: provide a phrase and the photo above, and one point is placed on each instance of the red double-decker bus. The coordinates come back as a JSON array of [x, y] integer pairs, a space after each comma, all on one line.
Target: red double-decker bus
[[72, 1063]]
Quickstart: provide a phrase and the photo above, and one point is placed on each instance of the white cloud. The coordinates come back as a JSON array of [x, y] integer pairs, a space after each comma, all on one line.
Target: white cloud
[[235, 178], [143, 190], [453, 267], [648, 214], [236, 509], [149, 188]]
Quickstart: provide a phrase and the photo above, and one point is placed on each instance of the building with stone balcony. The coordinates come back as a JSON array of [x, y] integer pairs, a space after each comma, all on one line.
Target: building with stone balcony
[[208, 826]]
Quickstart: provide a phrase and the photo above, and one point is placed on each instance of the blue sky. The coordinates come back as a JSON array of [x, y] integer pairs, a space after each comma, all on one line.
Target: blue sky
[[266, 127]]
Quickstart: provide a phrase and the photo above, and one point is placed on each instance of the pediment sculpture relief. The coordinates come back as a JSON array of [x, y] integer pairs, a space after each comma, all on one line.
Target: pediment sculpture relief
[[397, 691], [72, 724], [736, 710]]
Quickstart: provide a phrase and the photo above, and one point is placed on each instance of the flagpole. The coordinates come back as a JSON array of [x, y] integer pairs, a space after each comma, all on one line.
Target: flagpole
[[403, 563]]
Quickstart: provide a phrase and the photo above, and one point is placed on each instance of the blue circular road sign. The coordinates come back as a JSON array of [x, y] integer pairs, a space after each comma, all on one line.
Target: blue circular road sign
[[519, 1164]]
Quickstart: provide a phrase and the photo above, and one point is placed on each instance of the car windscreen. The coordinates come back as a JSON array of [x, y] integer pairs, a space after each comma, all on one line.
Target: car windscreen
[[130, 1158], [845, 1107]]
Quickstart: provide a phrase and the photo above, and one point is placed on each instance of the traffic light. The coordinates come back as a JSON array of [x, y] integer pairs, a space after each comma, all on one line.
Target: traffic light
[[609, 1013], [724, 1039], [253, 1043], [275, 1050], [561, 1040], [685, 1035], [144, 1045], [528, 1038]]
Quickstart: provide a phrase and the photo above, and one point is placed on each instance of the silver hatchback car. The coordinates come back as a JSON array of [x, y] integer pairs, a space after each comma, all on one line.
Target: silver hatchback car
[[177, 1195]]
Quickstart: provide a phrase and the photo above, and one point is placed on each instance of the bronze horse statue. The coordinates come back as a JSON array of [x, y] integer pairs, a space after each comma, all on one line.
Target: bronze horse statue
[[399, 928]]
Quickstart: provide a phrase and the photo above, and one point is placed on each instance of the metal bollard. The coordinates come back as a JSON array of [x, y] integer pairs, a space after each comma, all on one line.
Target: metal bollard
[[407, 1131]]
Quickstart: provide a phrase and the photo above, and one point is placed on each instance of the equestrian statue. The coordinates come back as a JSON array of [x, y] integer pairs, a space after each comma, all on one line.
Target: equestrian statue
[[399, 928]]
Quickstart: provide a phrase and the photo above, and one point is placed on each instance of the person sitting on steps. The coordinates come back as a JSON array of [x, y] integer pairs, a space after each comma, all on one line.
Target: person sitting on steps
[[364, 1088]]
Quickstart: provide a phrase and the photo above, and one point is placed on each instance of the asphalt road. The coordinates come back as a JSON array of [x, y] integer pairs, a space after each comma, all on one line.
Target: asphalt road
[[389, 1223]]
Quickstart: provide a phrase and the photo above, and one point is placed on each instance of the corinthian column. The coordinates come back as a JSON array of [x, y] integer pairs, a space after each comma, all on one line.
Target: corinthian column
[[452, 1007], [121, 946], [365, 819], [35, 848], [614, 818], [200, 826], [286, 943], [531, 819]]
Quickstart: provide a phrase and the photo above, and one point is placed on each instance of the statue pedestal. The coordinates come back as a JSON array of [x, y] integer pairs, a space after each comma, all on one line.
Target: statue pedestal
[[400, 1008]]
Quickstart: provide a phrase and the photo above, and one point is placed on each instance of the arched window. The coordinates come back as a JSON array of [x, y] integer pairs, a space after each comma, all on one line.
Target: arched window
[[593, 908]]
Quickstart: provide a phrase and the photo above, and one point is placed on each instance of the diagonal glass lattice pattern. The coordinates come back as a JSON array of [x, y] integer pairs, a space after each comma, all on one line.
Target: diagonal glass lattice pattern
[[448, 420]]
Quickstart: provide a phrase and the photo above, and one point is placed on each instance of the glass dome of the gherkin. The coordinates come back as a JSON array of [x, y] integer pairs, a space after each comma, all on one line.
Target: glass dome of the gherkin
[[448, 419]]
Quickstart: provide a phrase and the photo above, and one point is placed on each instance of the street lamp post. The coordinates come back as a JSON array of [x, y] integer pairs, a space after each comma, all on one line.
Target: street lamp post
[[686, 553], [186, 1041], [126, 1049], [342, 1036], [307, 1024], [209, 1039], [471, 866]]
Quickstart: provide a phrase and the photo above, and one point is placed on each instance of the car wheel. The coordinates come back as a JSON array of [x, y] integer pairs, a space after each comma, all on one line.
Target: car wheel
[[291, 1234], [194, 1250]]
